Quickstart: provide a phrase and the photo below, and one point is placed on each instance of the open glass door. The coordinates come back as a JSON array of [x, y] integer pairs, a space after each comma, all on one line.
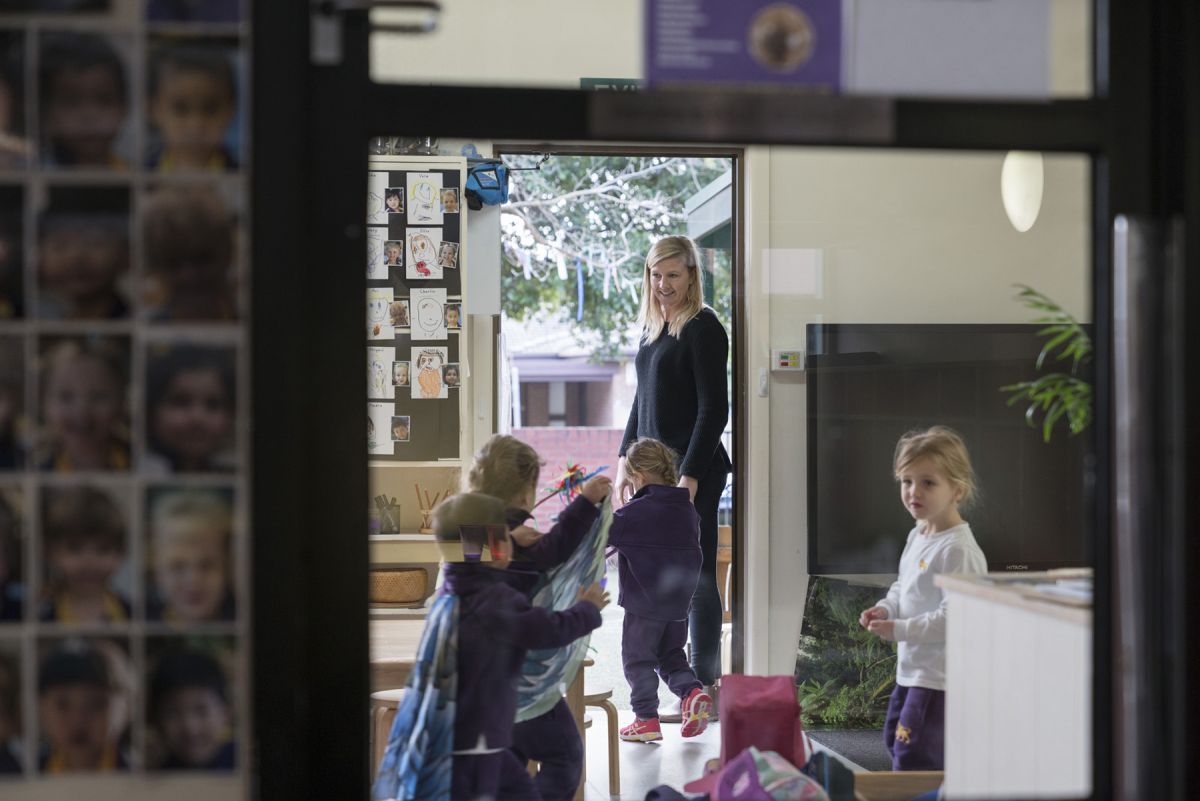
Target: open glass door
[[894, 264]]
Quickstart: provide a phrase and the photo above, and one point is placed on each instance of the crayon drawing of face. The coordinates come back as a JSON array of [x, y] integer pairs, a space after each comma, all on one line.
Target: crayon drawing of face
[[423, 254], [377, 309], [429, 360], [429, 315], [429, 373]]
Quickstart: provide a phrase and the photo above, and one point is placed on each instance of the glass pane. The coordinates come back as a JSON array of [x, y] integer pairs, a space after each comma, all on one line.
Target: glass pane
[[124, 398], [866, 294], [1035, 49]]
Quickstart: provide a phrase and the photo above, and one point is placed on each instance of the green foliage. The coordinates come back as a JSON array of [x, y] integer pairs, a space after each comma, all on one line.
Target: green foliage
[[844, 674], [1059, 394], [598, 215]]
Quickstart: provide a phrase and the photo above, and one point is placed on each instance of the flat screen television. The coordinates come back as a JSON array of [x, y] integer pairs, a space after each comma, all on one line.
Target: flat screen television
[[870, 383]]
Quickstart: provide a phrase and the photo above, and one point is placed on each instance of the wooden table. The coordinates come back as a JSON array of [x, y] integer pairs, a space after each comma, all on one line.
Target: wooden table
[[394, 651]]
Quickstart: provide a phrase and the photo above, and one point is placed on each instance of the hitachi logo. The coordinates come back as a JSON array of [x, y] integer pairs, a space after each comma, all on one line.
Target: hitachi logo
[[1016, 567]]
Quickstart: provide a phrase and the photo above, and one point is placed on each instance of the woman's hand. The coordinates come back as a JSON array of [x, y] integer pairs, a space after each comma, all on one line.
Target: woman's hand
[[624, 487], [691, 484]]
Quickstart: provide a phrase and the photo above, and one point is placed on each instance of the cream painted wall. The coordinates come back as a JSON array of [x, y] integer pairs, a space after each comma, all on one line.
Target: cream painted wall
[[902, 237], [551, 43]]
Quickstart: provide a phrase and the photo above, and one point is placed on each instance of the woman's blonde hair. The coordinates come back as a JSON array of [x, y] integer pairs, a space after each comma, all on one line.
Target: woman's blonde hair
[[947, 450], [505, 468], [650, 314], [650, 458]]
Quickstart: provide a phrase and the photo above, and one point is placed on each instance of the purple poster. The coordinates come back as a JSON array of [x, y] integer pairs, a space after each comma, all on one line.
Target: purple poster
[[744, 41]]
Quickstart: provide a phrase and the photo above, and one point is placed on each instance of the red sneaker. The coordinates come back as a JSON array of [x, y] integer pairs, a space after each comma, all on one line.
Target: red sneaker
[[642, 731], [696, 709]]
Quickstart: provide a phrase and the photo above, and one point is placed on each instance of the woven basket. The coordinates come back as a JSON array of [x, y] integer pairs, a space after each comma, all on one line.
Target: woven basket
[[398, 586]]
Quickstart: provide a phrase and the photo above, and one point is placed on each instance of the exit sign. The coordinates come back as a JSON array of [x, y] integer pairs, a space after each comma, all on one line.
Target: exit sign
[[610, 84]]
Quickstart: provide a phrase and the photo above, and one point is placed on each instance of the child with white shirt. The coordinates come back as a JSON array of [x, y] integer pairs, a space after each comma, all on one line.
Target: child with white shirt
[[935, 475]]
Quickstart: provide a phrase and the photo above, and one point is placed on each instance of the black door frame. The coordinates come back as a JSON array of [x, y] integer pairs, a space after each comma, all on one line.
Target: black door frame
[[740, 380], [310, 126]]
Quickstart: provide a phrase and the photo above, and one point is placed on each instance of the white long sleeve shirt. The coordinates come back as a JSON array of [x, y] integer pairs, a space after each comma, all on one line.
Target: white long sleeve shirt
[[919, 607]]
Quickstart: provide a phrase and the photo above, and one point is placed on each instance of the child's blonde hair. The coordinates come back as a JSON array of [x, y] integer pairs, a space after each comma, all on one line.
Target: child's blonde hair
[[650, 458], [945, 447], [194, 505], [505, 468], [650, 314]]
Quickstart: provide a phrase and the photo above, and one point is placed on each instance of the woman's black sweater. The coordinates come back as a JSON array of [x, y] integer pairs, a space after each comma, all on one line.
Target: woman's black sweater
[[682, 396]]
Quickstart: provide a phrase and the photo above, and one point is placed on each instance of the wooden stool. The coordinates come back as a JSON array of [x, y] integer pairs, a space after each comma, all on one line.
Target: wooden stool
[[383, 713], [601, 700]]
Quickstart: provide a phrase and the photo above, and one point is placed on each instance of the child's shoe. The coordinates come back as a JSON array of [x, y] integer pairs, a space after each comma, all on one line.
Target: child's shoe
[[696, 709], [642, 731]]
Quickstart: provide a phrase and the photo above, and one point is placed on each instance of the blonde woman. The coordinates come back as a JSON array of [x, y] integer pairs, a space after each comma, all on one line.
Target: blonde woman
[[683, 401]]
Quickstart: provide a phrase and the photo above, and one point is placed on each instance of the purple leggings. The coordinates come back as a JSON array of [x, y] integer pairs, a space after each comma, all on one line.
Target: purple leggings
[[915, 729]]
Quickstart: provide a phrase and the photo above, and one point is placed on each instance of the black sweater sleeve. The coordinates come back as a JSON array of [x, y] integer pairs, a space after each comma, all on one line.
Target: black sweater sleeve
[[631, 427], [708, 346]]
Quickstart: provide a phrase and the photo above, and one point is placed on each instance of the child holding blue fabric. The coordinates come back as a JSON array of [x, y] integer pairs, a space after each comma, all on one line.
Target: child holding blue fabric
[[508, 469], [657, 538], [496, 625]]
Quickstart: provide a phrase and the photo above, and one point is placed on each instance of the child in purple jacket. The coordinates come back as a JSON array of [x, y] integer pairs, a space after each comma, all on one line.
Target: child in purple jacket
[[508, 469], [496, 625], [657, 538]]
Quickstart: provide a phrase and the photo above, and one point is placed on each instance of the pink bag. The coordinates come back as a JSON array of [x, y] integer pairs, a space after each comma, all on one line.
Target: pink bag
[[761, 711]]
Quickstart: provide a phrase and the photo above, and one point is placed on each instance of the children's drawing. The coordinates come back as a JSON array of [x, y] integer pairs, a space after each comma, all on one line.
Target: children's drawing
[[422, 245], [379, 373], [379, 421], [424, 198], [428, 365], [400, 427], [450, 200], [398, 313], [376, 187], [428, 319], [379, 326], [377, 259], [448, 255]]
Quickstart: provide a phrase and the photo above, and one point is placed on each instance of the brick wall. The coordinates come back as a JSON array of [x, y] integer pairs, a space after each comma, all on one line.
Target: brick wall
[[589, 447]]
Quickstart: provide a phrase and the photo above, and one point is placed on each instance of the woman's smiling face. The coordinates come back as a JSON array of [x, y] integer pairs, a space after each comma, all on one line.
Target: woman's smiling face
[[669, 281]]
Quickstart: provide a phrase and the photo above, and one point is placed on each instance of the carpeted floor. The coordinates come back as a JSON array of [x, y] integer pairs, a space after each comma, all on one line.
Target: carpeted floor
[[864, 747]]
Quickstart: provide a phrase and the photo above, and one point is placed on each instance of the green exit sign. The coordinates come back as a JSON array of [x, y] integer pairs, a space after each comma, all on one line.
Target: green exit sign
[[610, 84]]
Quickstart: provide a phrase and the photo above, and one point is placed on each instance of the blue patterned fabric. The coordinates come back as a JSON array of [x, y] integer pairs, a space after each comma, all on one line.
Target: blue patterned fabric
[[416, 764], [548, 671]]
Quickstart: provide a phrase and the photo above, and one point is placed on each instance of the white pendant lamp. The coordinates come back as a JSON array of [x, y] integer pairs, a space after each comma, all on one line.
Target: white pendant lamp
[[1022, 179]]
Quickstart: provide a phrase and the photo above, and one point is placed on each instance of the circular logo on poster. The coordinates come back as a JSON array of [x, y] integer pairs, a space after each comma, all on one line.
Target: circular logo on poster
[[782, 38]]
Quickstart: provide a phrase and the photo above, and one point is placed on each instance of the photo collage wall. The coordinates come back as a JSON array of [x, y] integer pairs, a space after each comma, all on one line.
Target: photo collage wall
[[124, 390], [414, 313]]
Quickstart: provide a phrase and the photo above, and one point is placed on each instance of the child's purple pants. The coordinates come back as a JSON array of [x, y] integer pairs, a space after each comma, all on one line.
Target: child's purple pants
[[651, 649], [553, 740], [490, 777], [915, 728]]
